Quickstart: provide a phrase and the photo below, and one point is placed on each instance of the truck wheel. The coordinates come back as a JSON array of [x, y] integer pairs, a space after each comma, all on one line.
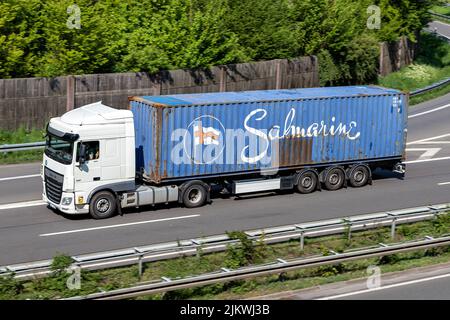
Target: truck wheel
[[194, 196], [307, 182], [103, 205], [334, 179], [358, 176]]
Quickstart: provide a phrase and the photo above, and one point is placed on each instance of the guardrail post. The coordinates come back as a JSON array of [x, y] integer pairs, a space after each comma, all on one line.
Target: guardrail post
[[140, 254], [348, 224], [302, 240], [394, 219], [140, 267]]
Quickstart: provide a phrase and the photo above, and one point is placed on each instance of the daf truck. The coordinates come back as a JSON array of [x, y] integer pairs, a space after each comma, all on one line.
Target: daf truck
[[178, 148]]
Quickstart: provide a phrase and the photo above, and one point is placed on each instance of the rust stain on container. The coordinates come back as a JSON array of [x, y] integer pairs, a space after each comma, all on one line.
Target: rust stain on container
[[295, 151]]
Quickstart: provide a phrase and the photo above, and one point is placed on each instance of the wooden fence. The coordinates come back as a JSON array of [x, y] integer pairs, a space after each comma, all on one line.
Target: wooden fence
[[395, 55], [32, 102]]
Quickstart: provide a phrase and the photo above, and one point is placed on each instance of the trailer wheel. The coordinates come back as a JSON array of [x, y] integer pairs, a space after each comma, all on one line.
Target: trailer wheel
[[194, 196], [334, 178], [306, 182], [103, 205], [358, 176]]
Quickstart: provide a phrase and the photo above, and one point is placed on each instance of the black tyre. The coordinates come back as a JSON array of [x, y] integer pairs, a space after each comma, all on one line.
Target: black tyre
[[103, 205], [334, 179], [194, 196], [359, 176], [307, 182]]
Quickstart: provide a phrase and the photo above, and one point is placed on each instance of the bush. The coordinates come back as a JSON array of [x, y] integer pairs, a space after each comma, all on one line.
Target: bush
[[60, 263], [407, 230], [242, 253], [441, 223], [10, 286], [390, 259], [330, 270]]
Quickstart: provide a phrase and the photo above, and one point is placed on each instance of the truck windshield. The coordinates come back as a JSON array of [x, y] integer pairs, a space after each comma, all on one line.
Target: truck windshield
[[59, 149]]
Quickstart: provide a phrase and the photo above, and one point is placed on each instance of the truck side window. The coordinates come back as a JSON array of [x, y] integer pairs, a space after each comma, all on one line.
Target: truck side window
[[92, 150]]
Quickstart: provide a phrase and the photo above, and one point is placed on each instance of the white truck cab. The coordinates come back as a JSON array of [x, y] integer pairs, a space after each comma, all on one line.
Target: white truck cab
[[90, 152]]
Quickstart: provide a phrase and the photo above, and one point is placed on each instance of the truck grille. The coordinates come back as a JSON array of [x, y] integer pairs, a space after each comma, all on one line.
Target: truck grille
[[53, 185]]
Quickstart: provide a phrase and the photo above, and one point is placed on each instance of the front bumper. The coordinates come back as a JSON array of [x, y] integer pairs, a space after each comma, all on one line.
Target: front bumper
[[69, 209]]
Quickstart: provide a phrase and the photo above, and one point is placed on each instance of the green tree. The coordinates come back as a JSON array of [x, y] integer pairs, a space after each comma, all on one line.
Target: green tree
[[89, 49], [265, 28], [20, 35], [180, 35], [150, 35]]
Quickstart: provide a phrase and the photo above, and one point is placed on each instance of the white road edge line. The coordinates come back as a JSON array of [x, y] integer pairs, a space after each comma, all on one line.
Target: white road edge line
[[426, 160], [385, 287], [20, 177], [21, 204], [118, 225], [443, 183], [426, 140], [428, 154], [428, 111]]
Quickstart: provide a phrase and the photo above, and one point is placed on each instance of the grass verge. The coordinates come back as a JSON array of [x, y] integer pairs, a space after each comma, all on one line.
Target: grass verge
[[54, 287], [20, 136], [439, 92], [431, 65], [441, 10]]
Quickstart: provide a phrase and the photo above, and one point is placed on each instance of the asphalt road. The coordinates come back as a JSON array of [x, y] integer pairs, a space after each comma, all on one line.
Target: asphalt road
[[35, 232], [20, 183], [433, 289], [423, 283], [440, 27]]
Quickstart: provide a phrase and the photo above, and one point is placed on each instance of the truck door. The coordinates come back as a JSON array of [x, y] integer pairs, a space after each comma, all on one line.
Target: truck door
[[88, 174]]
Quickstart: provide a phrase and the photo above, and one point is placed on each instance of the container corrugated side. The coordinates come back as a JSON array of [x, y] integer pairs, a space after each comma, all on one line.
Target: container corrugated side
[[377, 132]]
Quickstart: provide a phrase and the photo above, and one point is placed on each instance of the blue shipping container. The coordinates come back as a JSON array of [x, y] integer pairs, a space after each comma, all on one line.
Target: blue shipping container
[[217, 134]]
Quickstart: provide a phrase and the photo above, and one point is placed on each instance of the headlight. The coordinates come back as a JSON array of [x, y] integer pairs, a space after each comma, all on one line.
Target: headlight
[[66, 201]]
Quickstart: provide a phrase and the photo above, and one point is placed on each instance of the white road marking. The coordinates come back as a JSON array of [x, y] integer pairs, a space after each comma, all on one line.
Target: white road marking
[[20, 177], [428, 154], [118, 225], [433, 142], [21, 204], [422, 141], [426, 160], [443, 183], [385, 287], [428, 111]]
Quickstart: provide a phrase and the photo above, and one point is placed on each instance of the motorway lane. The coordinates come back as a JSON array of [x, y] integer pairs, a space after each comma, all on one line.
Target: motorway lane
[[433, 289], [440, 27], [430, 282], [21, 229], [29, 187]]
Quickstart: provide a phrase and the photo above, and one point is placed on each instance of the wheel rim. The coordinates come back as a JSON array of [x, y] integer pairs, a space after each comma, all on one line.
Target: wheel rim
[[307, 182], [195, 195], [103, 205], [359, 176], [334, 179]]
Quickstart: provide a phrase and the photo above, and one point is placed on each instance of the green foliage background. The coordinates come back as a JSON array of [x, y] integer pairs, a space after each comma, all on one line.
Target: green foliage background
[[150, 35]]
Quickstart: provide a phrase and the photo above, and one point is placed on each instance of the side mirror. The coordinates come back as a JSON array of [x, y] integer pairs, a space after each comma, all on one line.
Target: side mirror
[[82, 151]]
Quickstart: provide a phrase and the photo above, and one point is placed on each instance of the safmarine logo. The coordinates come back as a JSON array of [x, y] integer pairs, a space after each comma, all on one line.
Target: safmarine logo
[[207, 132], [205, 136], [205, 139]]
